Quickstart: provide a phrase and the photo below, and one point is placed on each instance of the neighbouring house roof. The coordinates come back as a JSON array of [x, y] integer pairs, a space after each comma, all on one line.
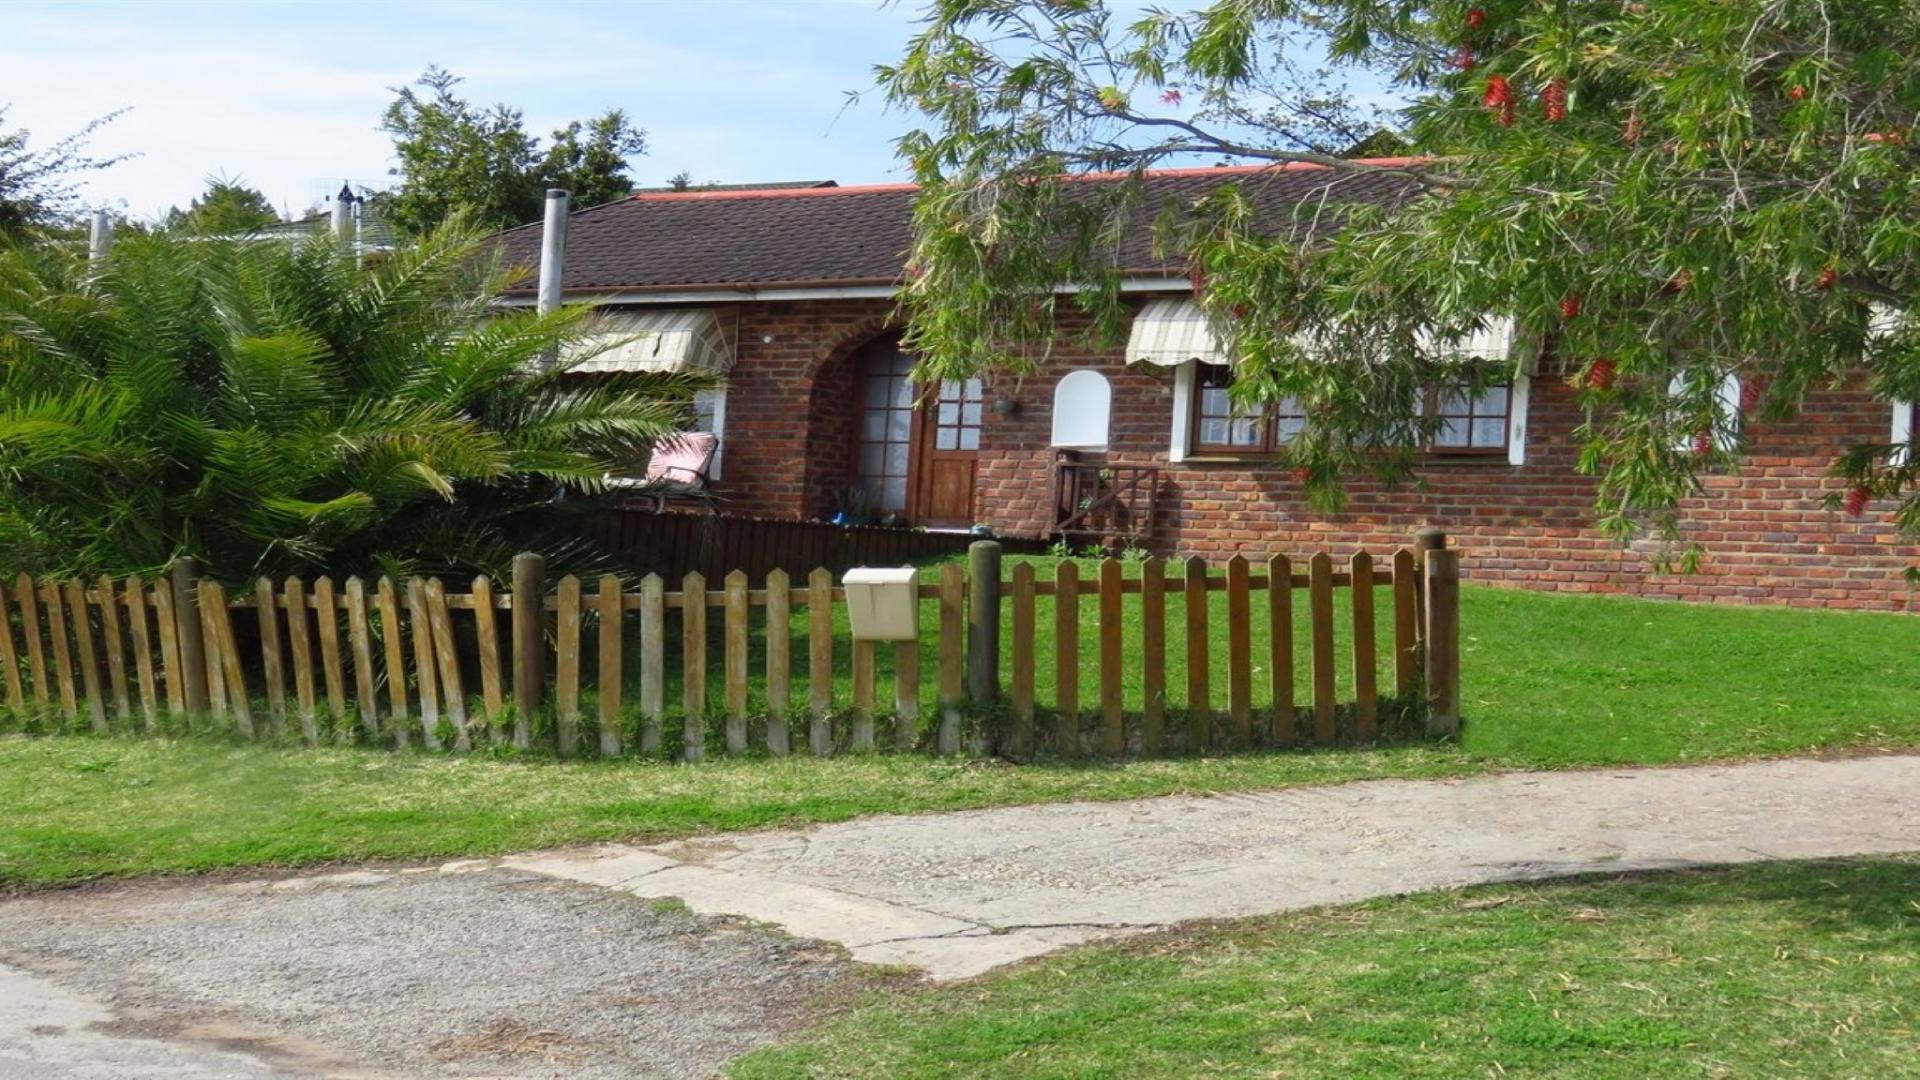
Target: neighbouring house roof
[[375, 234], [822, 237]]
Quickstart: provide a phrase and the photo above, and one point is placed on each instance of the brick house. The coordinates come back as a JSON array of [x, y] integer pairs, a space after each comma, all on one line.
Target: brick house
[[788, 292]]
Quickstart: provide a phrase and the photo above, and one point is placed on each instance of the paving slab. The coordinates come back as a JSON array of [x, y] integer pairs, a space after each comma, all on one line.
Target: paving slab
[[957, 894]]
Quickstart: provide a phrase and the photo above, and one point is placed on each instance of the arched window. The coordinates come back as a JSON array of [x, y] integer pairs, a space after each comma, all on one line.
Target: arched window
[[1082, 406]]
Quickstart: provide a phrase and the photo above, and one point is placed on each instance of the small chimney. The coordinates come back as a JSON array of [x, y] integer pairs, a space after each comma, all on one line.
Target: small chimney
[[553, 249]]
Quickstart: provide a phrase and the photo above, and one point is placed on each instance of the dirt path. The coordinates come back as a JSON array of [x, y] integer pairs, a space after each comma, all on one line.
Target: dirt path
[[957, 894]]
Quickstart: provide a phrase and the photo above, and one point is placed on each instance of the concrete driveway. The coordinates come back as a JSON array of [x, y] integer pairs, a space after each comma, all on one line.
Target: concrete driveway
[[602, 962], [473, 970]]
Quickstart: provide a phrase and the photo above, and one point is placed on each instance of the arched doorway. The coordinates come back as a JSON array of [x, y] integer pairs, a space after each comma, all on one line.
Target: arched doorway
[[917, 450]]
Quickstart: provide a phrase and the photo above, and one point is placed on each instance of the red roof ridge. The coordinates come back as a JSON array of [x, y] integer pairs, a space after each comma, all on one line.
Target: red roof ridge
[[880, 189]]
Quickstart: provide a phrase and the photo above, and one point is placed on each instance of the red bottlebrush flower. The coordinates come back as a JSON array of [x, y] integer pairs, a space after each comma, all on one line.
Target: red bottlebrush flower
[[1197, 277], [1301, 474], [1476, 18], [1636, 127], [1498, 92], [1170, 97], [1797, 93], [1554, 97], [1857, 498], [1570, 306], [1828, 275], [1749, 393], [1702, 443], [1601, 374], [1464, 59], [1506, 114]]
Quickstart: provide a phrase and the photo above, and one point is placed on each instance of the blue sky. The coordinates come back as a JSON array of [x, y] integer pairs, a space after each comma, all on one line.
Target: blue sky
[[288, 95]]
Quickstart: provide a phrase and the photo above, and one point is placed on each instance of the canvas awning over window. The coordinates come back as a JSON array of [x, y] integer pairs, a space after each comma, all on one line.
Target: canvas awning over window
[[1170, 332], [670, 341], [1496, 339]]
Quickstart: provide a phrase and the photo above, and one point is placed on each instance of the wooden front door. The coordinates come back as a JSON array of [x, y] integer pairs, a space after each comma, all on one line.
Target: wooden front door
[[947, 454]]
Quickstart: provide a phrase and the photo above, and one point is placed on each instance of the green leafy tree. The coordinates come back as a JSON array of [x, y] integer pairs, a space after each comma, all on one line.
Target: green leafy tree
[[227, 208], [454, 155], [38, 184], [273, 409], [1670, 192]]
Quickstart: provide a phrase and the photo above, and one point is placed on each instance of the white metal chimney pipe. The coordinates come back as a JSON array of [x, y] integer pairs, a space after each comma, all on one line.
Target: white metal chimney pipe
[[101, 238], [553, 249], [342, 219]]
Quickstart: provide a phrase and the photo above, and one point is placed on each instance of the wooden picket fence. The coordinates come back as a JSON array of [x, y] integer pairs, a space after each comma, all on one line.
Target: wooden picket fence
[[398, 658]]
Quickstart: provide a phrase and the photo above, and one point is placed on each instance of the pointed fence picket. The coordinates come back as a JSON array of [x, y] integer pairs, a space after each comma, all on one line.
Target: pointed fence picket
[[110, 651]]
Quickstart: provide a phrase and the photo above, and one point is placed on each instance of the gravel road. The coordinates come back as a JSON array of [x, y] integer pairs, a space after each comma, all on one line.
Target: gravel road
[[469, 971]]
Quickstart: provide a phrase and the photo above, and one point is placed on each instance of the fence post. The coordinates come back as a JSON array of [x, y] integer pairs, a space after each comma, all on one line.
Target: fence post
[[983, 623], [529, 644], [186, 619], [1442, 640], [1428, 538]]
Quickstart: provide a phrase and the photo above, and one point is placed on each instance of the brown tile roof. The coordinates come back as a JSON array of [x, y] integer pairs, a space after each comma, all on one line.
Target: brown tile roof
[[842, 236]]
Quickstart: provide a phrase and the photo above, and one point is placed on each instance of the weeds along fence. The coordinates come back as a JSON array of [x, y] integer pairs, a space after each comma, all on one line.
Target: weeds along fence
[[1129, 658]]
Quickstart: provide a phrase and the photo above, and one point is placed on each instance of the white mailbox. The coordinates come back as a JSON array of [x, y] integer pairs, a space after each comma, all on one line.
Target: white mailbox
[[883, 603]]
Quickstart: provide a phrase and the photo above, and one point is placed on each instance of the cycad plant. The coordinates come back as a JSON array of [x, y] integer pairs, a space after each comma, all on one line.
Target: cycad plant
[[275, 408]]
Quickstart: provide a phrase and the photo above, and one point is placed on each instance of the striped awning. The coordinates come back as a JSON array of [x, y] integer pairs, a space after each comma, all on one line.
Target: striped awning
[[1169, 332], [1497, 338], [668, 342]]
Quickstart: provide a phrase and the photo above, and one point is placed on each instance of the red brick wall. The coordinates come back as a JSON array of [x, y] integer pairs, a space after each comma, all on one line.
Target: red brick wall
[[1767, 536], [789, 439], [789, 431]]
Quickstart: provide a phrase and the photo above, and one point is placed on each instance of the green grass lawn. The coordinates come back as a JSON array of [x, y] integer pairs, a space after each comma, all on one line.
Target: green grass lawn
[[1549, 681], [1788, 969]]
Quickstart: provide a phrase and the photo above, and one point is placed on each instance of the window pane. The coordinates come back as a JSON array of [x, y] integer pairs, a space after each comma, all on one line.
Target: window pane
[[902, 391], [1214, 402], [1493, 400], [949, 414], [974, 390], [876, 427], [878, 391], [1490, 433], [894, 493], [872, 459], [897, 459], [943, 438], [950, 388], [1213, 432], [1452, 433], [1288, 427], [969, 438], [1453, 403], [970, 413], [899, 425], [1246, 432], [874, 488]]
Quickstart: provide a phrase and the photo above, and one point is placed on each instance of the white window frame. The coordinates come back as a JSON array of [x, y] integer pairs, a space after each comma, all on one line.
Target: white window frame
[[1184, 378], [1725, 438], [1519, 392], [1081, 385], [1903, 415], [718, 397]]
